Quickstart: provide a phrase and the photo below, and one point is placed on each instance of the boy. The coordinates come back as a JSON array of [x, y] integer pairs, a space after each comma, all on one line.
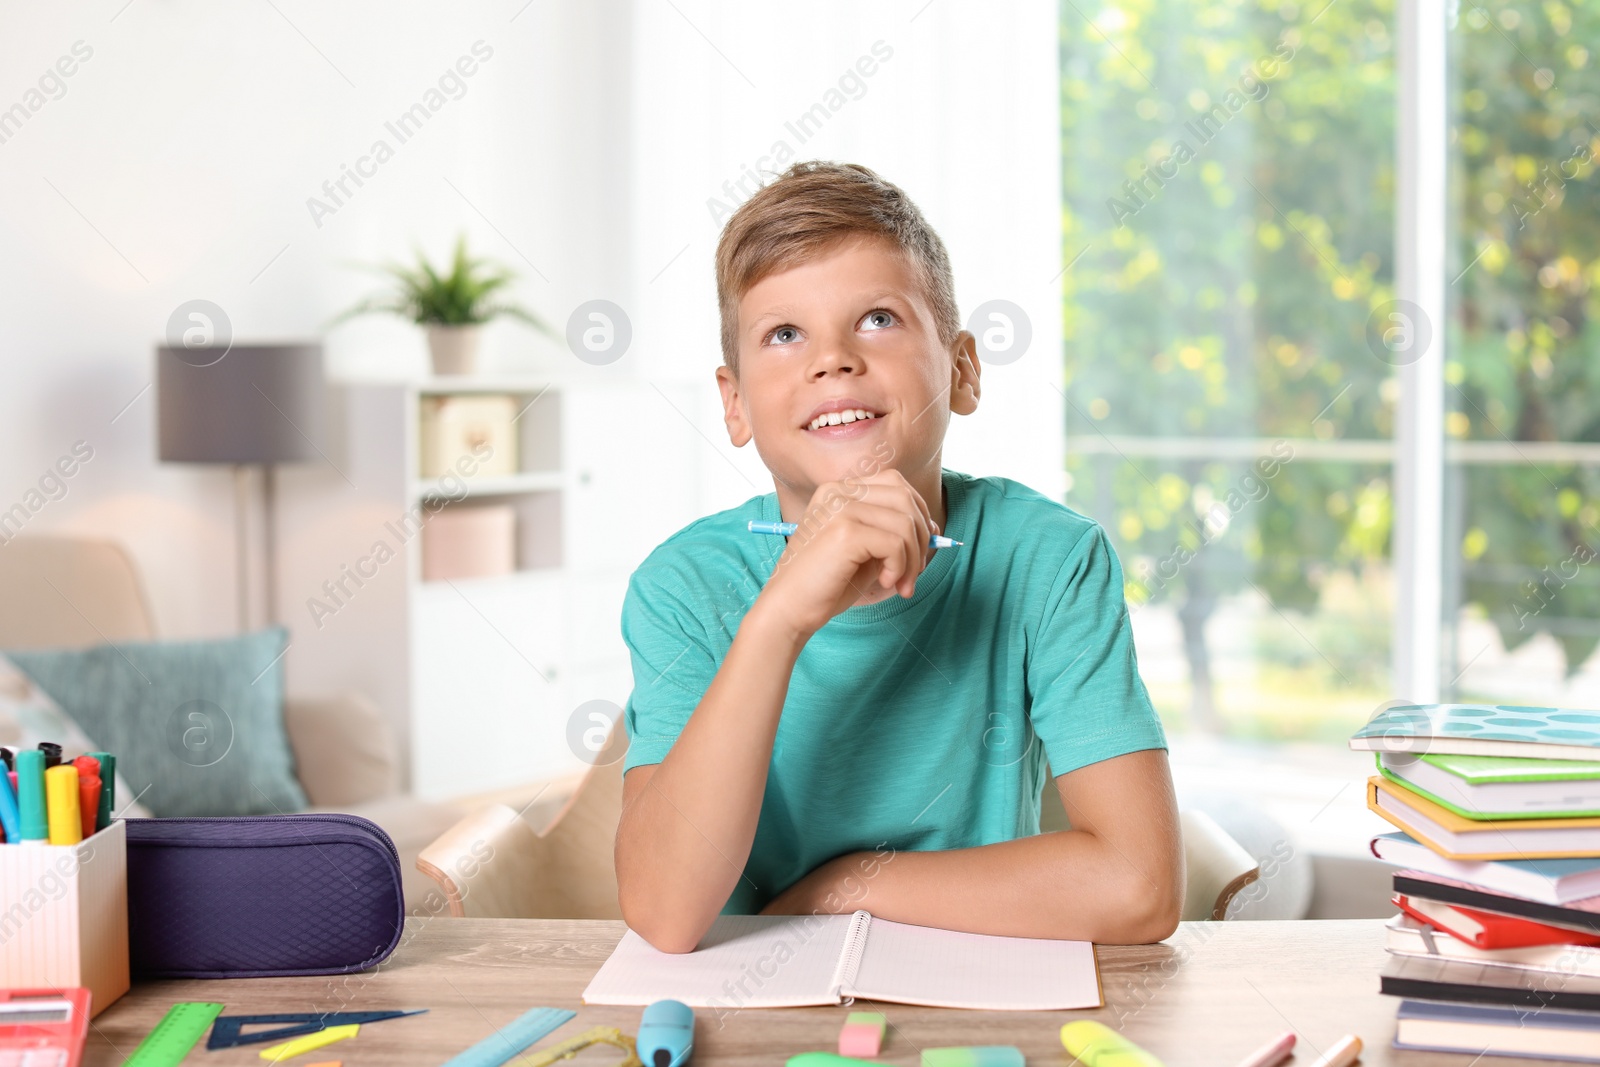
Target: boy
[[849, 718]]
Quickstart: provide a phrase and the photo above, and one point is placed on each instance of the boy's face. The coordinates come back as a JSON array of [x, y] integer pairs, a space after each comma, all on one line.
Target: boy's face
[[851, 324]]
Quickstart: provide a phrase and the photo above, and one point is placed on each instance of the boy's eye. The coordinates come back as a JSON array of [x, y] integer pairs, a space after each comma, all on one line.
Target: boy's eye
[[783, 335], [878, 319]]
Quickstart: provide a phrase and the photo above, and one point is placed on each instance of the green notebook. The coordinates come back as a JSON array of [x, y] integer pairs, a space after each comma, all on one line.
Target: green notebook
[[1482, 769], [1499, 787]]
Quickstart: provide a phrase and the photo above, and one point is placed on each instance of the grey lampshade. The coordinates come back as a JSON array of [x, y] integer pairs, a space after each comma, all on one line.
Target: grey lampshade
[[244, 404]]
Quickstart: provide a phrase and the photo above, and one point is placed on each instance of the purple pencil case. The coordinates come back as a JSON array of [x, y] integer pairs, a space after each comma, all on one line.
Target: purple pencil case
[[261, 896]]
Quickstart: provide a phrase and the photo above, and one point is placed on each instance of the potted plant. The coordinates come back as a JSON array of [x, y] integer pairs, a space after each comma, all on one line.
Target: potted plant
[[452, 307]]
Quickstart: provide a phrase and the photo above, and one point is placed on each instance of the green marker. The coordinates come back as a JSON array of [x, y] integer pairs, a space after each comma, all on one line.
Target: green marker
[[30, 795], [108, 788]]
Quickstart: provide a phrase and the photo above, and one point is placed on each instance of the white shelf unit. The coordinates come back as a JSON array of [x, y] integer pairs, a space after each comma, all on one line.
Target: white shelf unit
[[480, 676]]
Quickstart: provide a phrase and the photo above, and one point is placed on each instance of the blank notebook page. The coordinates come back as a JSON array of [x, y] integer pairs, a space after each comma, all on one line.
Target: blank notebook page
[[947, 969], [745, 961]]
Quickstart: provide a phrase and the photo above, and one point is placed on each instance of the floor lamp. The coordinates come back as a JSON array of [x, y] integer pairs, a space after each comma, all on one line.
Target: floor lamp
[[244, 405]]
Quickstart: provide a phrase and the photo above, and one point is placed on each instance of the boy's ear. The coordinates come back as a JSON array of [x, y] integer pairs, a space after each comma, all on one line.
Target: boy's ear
[[733, 408], [964, 371]]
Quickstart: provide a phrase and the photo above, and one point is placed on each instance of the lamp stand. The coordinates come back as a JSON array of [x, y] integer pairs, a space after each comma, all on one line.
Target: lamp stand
[[241, 544]]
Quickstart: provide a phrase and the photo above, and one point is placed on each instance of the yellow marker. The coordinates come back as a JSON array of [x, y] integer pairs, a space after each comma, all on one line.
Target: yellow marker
[[1098, 1045], [310, 1042], [61, 799]]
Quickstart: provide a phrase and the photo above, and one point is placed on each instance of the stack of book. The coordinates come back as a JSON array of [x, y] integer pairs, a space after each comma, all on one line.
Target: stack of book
[[1496, 947]]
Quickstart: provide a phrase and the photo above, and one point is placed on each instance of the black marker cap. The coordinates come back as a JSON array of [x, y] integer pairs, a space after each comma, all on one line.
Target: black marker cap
[[52, 753]]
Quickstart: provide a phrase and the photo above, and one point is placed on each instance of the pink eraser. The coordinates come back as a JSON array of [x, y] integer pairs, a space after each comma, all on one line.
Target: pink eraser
[[862, 1034]]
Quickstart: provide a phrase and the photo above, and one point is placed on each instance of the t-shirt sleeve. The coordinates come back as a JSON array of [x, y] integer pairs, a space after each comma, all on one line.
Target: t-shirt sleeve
[[673, 665], [1087, 700]]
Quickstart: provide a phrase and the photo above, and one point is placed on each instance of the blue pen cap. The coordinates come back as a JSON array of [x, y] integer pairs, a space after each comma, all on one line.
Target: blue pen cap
[[666, 1034], [10, 817], [30, 795]]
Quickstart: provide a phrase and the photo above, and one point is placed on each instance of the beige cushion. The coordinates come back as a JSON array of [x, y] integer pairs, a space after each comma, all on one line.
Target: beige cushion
[[63, 592], [344, 752]]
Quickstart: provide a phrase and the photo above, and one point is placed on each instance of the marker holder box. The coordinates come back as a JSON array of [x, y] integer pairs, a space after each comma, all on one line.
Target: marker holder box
[[64, 915]]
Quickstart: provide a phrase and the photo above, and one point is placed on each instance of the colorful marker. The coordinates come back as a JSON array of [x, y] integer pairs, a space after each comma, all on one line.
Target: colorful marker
[[784, 529], [108, 788], [61, 791], [1272, 1053], [1344, 1052], [10, 817], [88, 792], [1097, 1045], [30, 796]]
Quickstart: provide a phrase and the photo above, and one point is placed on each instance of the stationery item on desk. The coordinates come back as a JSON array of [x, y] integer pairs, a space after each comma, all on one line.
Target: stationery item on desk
[[309, 1043], [786, 529], [228, 1030], [1486, 929], [88, 801], [8, 755], [1499, 787], [830, 957], [1097, 1045], [108, 788], [821, 1059], [10, 817], [1433, 978], [862, 1033], [61, 794], [509, 1040], [1457, 838], [976, 1056], [30, 796], [1558, 882], [1496, 1031], [1482, 730], [45, 1026], [1344, 1052], [1272, 1053], [1406, 936], [1582, 915], [598, 1035], [177, 1032], [666, 1034], [52, 754]]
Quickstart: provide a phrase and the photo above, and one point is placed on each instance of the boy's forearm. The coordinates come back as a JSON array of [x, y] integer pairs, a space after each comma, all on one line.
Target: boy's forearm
[[684, 838], [1070, 884]]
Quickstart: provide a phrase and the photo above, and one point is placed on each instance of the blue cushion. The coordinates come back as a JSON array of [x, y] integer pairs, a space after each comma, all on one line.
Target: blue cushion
[[196, 726]]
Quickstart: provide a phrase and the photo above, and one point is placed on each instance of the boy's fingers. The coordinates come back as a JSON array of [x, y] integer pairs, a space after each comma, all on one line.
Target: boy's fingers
[[907, 526]]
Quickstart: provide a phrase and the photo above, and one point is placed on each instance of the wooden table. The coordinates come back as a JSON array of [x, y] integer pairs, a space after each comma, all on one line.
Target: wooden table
[[1205, 997]]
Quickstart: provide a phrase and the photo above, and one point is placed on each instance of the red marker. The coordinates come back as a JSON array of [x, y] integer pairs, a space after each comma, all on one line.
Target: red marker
[[88, 792]]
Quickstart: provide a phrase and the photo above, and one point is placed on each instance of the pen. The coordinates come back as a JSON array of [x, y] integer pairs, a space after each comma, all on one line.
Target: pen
[[88, 792], [1344, 1052], [1273, 1052], [784, 529]]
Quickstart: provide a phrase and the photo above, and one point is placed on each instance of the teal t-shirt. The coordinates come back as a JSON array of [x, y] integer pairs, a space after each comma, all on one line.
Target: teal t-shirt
[[918, 724]]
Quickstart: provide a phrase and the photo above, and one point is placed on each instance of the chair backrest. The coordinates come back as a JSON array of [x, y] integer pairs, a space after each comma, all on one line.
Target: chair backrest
[[69, 592], [492, 864], [1216, 867]]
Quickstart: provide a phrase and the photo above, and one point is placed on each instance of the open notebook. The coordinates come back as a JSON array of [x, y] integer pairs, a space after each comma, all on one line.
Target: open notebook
[[784, 961]]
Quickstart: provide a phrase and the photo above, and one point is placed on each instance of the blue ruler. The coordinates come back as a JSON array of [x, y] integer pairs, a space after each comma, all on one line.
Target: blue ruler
[[512, 1038]]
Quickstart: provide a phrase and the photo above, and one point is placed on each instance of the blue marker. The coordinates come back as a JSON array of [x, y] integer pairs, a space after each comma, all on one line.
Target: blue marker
[[666, 1034], [10, 817], [784, 529]]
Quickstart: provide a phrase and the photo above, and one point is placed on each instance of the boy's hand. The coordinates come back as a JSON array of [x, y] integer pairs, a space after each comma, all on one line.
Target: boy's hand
[[852, 535]]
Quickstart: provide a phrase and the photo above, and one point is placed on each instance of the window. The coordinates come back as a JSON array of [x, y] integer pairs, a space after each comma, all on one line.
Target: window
[[1229, 190]]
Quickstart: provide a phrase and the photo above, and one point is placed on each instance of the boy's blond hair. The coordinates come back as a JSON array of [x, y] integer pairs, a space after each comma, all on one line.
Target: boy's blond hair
[[810, 208]]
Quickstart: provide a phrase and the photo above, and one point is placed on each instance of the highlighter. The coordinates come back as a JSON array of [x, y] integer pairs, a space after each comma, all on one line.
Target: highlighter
[[108, 788], [61, 790], [30, 796], [1097, 1045], [975, 1056], [10, 817], [666, 1034], [88, 802]]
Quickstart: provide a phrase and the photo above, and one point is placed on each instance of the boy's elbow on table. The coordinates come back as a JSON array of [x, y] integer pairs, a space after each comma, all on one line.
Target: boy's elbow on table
[[665, 932]]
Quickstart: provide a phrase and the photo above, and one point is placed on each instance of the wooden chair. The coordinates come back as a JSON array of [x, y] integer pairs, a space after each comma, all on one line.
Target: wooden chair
[[492, 864]]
